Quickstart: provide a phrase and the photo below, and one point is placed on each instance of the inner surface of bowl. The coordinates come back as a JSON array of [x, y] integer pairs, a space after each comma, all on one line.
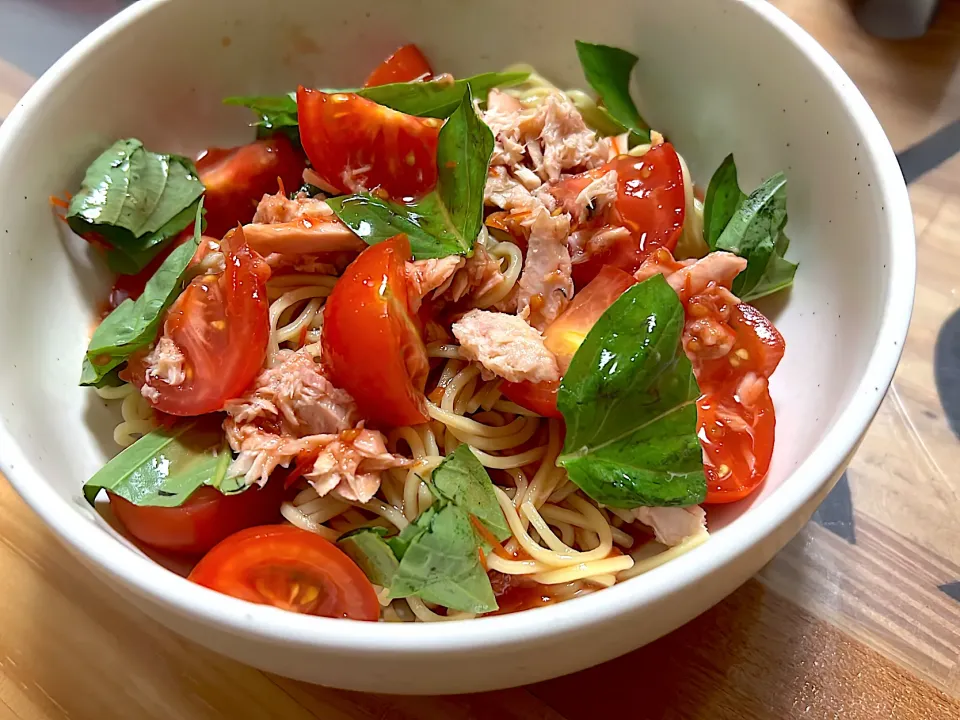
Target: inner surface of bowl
[[715, 76]]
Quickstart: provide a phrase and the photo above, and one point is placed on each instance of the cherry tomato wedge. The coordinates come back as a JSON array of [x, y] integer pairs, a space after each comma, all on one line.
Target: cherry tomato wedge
[[206, 518], [650, 204], [288, 568], [220, 324], [565, 334], [406, 64], [236, 178], [372, 346], [737, 443], [355, 144]]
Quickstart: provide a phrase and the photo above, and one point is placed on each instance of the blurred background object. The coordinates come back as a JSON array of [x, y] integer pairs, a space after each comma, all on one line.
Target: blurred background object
[[896, 18]]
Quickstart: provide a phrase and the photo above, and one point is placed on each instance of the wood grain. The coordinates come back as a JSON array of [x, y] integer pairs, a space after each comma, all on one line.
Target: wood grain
[[829, 629]]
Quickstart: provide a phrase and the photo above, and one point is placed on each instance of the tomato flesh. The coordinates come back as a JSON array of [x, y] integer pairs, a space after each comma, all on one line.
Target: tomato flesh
[[372, 346], [288, 568], [221, 325], [236, 178], [650, 204], [356, 144], [564, 336], [206, 518], [405, 65]]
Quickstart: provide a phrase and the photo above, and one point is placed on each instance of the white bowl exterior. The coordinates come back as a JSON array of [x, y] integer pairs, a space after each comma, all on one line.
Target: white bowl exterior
[[716, 75]]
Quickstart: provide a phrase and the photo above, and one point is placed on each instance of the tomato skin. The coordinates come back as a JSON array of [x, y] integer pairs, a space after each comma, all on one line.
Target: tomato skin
[[540, 398], [406, 64], [372, 346], [564, 336], [206, 518], [236, 178], [758, 348], [289, 568], [650, 204], [737, 444], [221, 324], [354, 143]]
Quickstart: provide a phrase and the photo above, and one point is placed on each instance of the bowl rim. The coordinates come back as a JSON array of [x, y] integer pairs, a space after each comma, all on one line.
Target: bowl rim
[[150, 580]]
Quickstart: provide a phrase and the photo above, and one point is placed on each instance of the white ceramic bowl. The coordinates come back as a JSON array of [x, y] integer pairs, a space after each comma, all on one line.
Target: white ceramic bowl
[[717, 75]]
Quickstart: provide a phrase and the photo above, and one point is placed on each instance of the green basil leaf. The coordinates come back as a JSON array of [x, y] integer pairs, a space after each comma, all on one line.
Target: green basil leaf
[[276, 113], [443, 565], [447, 220], [438, 98], [134, 323], [608, 69], [136, 200], [165, 467], [629, 402], [462, 480], [723, 198], [412, 532], [367, 548], [754, 230], [777, 276]]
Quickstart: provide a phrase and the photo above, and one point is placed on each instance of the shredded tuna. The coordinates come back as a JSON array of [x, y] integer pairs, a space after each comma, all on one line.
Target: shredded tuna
[[425, 276], [261, 452], [163, 363], [546, 284], [303, 225], [597, 195], [505, 346], [692, 277], [752, 389], [294, 398], [673, 525], [351, 465]]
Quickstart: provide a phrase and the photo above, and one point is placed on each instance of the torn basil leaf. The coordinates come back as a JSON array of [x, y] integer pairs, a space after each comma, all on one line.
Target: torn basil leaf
[[629, 402], [134, 323], [165, 467], [608, 69], [367, 548], [750, 226], [448, 219], [135, 200], [443, 565], [462, 480], [276, 113]]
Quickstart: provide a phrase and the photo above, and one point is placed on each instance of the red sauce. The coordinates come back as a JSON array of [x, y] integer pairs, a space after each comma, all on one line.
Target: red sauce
[[516, 592]]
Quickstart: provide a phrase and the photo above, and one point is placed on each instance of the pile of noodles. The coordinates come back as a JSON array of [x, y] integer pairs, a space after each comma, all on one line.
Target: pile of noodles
[[561, 539]]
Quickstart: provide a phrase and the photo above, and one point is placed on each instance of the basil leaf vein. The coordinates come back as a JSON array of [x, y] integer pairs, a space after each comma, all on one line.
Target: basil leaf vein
[[136, 200], [607, 70], [629, 402], [447, 220]]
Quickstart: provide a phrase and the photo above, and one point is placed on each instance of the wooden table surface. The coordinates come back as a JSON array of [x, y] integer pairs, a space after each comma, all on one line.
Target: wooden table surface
[[858, 618]]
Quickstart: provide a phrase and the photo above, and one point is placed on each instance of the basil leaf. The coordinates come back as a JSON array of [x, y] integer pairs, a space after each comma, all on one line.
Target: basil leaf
[[134, 323], [165, 467], [462, 480], [412, 532], [367, 548], [433, 98], [447, 220], [629, 402], [443, 565], [723, 197], [608, 69], [753, 233], [135, 200], [438, 98], [277, 113]]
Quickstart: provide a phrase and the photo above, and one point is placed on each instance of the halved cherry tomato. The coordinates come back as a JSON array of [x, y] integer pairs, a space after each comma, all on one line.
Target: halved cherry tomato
[[650, 204], [757, 347], [206, 518], [737, 443], [221, 325], [354, 143], [406, 64], [372, 344], [288, 568], [236, 178], [565, 335]]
